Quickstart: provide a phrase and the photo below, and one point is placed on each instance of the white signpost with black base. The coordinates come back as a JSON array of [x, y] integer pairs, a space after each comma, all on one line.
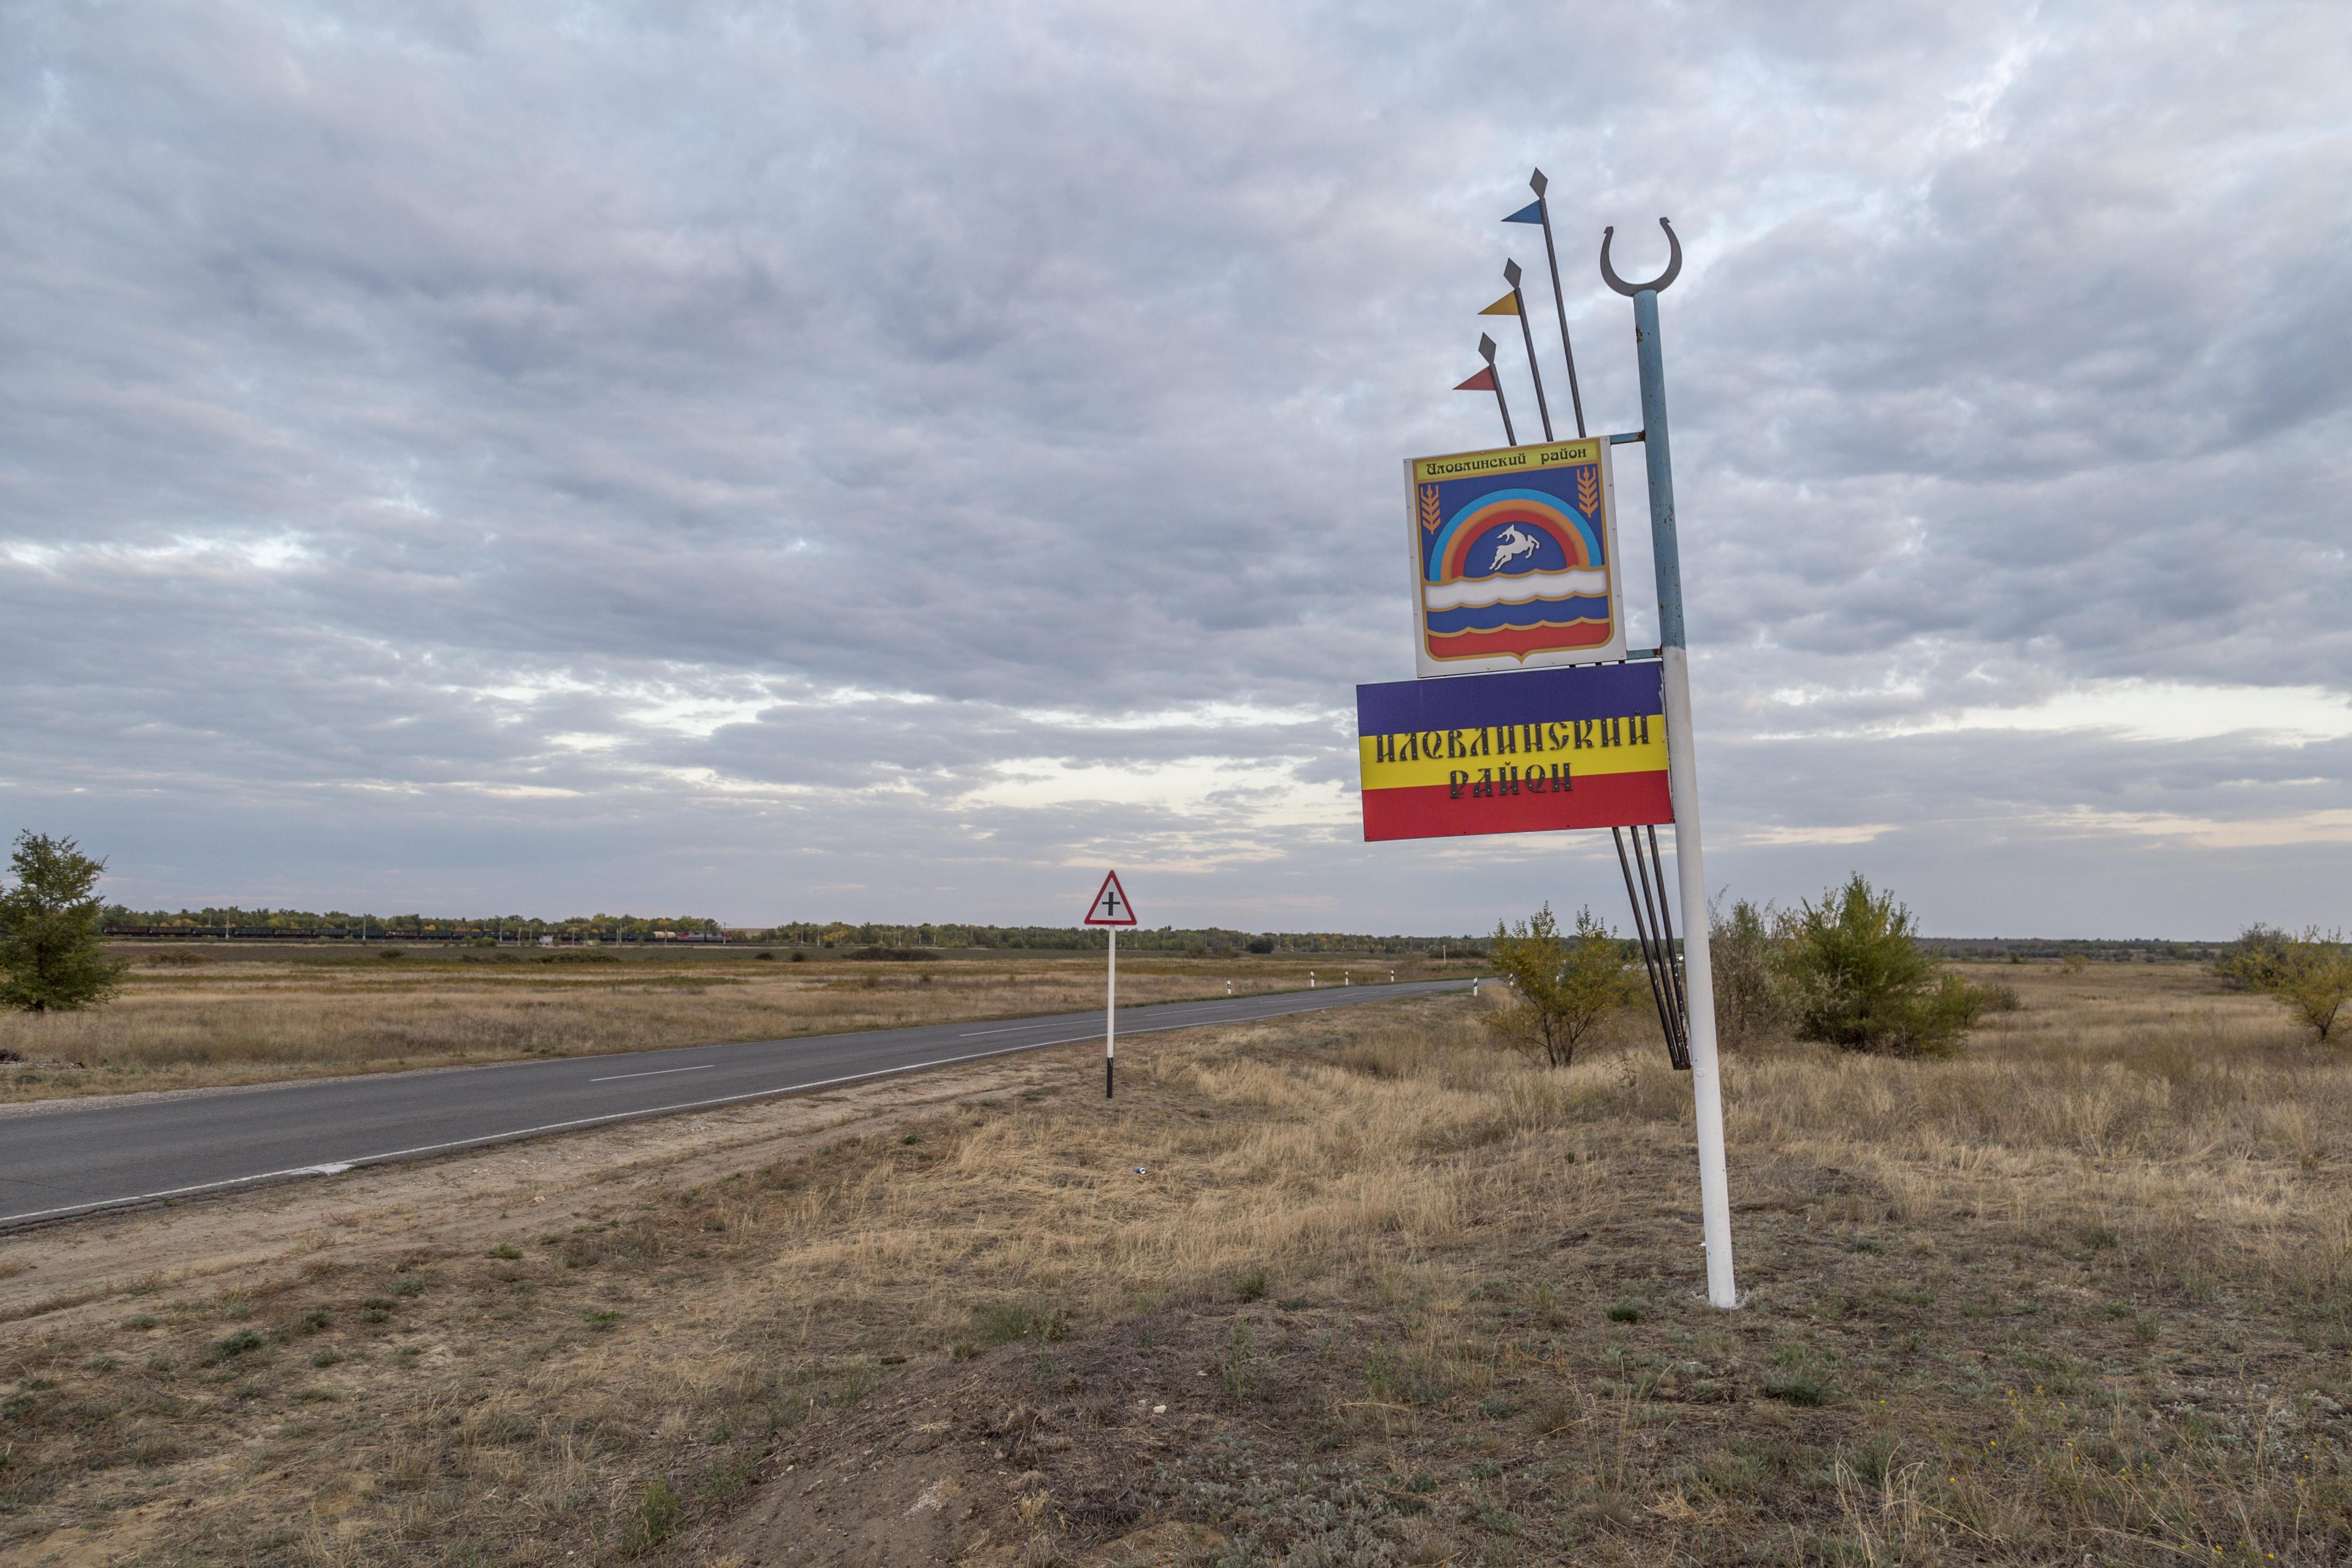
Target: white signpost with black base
[[1110, 909]]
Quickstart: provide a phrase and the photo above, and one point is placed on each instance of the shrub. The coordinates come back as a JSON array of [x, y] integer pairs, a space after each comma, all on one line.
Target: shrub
[[1799, 1387], [1858, 979], [1011, 1322], [1562, 988], [2312, 974], [1743, 950], [1998, 996], [654, 1519]]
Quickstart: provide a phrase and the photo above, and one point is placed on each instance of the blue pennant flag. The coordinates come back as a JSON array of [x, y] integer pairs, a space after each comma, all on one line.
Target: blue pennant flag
[[1531, 213]]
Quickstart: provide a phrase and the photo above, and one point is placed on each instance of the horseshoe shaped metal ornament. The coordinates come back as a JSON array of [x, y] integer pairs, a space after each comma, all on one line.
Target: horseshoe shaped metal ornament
[[1673, 265]]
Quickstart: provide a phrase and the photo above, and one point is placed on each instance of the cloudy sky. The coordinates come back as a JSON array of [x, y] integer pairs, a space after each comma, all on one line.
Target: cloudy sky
[[891, 460]]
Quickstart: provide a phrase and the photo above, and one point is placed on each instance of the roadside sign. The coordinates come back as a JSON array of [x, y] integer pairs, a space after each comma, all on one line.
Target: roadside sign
[[1515, 570], [1527, 752], [1514, 558], [1110, 907]]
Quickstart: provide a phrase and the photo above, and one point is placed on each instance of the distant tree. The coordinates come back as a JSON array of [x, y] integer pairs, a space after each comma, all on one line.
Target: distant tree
[[1858, 978], [2312, 974], [52, 947], [1563, 987]]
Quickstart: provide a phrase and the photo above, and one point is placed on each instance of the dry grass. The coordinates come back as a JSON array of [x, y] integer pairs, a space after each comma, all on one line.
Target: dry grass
[[252, 1016], [2081, 1295]]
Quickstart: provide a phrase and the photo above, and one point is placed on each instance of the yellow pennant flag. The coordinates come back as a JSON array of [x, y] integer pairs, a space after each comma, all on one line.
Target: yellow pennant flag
[[1508, 305]]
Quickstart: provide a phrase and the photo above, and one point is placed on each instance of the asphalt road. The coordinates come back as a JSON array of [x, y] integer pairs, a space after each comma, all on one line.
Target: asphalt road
[[94, 1154]]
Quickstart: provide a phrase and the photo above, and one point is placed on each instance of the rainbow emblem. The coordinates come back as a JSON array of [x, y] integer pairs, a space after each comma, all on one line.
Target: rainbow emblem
[[1514, 753], [1514, 553]]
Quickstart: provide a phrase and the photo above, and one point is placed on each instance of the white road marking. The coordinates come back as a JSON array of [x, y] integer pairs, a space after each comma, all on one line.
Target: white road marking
[[658, 1072]]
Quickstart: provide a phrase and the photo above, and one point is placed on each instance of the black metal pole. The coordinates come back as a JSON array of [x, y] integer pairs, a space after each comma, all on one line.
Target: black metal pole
[[1528, 336], [1642, 938], [1486, 352], [1677, 1045], [1537, 183], [1667, 925]]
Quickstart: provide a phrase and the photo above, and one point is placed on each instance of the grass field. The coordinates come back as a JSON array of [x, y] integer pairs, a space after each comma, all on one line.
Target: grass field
[[195, 1017], [1377, 1295]]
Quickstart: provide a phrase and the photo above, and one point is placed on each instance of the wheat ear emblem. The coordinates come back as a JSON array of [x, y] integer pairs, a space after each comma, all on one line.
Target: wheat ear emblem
[[1430, 516], [1588, 491]]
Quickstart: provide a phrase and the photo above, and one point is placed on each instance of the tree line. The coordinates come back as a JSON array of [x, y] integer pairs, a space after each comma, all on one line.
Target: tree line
[[1197, 942]]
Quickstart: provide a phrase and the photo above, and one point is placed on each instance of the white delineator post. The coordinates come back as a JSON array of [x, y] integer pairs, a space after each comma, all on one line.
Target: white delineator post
[[1681, 781], [1111, 1016]]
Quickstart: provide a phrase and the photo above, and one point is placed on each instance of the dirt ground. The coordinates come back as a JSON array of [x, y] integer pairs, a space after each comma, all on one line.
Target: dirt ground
[[1356, 1288]]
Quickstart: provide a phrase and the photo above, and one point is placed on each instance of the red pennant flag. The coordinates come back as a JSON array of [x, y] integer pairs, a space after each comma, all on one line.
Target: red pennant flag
[[1481, 381]]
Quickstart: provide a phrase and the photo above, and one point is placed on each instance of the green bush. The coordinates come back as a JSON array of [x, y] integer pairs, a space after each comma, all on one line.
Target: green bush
[[2312, 974], [1858, 979], [1561, 987], [1744, 949], [1009, 1322], [1806, 1388], [654, 1516]]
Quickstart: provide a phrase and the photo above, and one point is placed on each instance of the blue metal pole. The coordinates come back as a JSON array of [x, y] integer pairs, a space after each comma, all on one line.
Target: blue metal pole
[[1682, 781], [1657, 452]]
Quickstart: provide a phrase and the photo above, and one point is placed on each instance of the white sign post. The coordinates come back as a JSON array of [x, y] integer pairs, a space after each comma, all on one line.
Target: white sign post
[[1112, 910]]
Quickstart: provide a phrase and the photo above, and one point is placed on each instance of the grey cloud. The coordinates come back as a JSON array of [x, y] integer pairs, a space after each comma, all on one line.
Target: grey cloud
[[366, 374]]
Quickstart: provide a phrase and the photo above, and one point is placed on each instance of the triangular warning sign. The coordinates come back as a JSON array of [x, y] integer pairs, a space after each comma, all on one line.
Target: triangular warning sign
[[1110, 907]]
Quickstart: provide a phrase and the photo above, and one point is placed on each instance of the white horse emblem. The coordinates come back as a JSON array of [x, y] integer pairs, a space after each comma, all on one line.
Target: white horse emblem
[[1509, 545]]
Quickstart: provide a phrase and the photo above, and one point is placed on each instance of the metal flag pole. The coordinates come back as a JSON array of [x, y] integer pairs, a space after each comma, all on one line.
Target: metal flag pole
[[1541, 210], [1515, 304], [1494, 384], [1526, 336], [1682, 769]]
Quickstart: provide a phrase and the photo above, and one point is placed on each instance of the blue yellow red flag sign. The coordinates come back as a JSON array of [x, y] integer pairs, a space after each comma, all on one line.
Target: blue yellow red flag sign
[[1523, 752], [1514, 558]]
